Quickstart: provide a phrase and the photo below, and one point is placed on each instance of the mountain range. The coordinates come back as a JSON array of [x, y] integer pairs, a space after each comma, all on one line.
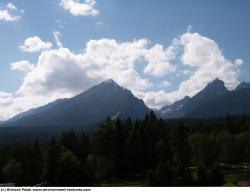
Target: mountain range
[[89, 108], [108, 99], [214, 101]]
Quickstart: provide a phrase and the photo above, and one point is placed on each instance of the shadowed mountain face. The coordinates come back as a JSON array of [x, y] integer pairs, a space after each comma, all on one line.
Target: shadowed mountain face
[[175, 110], [243, 85], [88, 108], [184, 107], [110, 100], [236, 102]]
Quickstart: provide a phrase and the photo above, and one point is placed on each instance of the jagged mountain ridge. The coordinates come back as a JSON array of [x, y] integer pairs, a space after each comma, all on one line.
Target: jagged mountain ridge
[[175, 110], [109, 99], [106, 99], [243, 85], [182, 108], [236, 102]]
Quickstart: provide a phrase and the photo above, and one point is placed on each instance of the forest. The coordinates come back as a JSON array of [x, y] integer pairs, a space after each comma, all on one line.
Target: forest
[[148, 152]]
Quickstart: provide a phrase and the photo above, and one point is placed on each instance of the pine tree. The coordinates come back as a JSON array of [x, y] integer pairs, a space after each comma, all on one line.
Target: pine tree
[[70, 141], [52, 160], [36, 163], [69, 171]]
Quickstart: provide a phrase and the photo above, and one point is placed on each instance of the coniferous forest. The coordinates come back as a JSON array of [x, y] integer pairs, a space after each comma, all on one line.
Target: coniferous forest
[[149, 152]]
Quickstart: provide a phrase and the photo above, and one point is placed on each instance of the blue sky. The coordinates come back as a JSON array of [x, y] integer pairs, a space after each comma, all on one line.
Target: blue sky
[[212, 23]]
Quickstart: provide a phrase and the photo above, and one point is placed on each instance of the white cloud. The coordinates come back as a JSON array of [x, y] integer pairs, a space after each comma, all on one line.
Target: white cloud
[[57, 36], [238, 62], [35, 44], [207, 62], [156, 99], [159, 61], [10, 13], [6, 100], [5, 15], [5, 94], [60, 73], [11, 6], [76, 8], [55, 73], [22, 65], [102, 59]]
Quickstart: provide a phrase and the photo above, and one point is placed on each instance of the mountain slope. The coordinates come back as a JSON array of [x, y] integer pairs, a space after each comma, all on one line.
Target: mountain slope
[[236, 102], [34, 111], [212, 91], [243, 85], [88, 108], [175, 110]]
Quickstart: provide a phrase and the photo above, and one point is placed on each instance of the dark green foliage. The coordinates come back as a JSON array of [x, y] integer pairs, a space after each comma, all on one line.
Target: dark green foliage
[[204, 149], [12, 171], [162, 176], [173, 153], [83, 148], [68, 170], [100, 168], [69, 140], [229, 149], [180, 145], [210, 175], [52, 161], [35, 163]]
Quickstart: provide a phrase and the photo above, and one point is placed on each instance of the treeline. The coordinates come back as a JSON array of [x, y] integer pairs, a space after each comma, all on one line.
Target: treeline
[[153, 151]]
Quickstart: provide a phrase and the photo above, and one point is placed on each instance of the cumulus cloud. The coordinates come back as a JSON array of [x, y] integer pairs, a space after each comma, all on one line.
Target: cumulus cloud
[[56, 72], [10, 13], [61, 73], [76, 8], [205, 56], [35, 44], [22, 65], [160, 61], [102, 59], [206, 61]]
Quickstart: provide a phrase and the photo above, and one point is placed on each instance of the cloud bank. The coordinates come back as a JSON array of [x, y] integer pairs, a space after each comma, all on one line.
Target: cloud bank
[[61, 73]]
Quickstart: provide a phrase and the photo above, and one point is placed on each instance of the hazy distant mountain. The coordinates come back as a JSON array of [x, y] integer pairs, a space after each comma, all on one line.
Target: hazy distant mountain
[[88, 108], [182, 108]]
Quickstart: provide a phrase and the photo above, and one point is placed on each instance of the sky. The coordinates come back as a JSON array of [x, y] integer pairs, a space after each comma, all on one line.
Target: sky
[[161, 50]]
